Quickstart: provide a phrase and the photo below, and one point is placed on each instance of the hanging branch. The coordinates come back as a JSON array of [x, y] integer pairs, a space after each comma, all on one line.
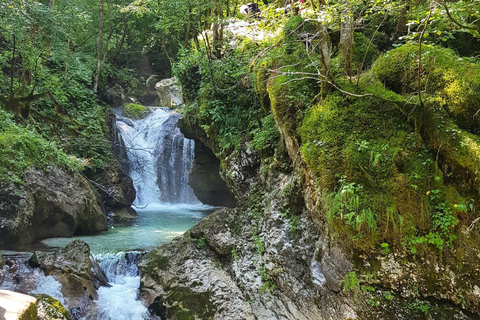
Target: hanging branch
[[449, 15]]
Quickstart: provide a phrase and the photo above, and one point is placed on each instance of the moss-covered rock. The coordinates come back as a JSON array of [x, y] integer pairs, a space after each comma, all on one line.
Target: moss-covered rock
[[135, 111], [453, 81], [49, 308]]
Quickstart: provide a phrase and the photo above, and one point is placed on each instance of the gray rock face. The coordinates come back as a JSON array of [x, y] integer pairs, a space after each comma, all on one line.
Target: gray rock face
[[169, 94], [242, 265], [77, 271], [49, 204]]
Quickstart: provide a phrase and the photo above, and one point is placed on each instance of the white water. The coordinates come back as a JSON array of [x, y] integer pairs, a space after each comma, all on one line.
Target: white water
[[160, 159], [159, 156], [48, 285], [120, 301]]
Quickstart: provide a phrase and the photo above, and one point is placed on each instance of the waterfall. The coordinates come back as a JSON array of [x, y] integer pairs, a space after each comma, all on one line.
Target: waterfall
[[120, 300], [159, 156]]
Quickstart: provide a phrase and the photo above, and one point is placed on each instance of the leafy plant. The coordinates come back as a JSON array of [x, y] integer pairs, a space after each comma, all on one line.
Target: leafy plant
[[351, 283]]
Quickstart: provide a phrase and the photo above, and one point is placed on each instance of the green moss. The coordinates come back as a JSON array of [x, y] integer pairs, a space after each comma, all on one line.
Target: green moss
[[135, 111], [30, 313], [459, 148], [453, 82], [51, 308], [364, 52], [185, 304], [373, 169], [156, 262]]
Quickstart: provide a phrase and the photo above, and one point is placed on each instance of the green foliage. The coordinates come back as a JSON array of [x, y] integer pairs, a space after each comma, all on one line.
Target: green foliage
[[135, 111], [345, 205], [293, 225], [234, 254], [222, 101], [267, 283], [351, 283], [200, 242], [385, 248], [255, 204], [388, 296], [259, 245], [266, 136], [23, 148]]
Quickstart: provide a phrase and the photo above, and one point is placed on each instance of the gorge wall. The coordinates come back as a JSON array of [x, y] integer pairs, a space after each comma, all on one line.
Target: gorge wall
[[347, 207]]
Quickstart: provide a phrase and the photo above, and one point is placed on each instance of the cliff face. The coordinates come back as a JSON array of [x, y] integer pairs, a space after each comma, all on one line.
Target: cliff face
[[349, 205]]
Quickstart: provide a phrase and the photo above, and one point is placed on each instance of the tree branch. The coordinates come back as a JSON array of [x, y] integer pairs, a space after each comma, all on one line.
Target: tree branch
[[449, 15]]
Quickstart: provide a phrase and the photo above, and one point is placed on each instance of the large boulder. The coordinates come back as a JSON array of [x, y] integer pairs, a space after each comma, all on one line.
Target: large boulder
[[169, 93], [17, 306], [56, 203]]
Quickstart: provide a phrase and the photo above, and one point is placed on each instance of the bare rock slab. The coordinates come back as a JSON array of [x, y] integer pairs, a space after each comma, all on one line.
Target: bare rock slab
[[17, 306]]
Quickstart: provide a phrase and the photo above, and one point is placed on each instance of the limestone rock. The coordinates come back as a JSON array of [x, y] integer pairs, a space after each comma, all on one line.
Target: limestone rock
[[49, 204], [169, 93], [17, 306], [77, 271]]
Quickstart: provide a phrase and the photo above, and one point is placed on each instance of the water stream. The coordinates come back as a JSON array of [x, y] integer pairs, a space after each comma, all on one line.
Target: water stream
[[159, 159]]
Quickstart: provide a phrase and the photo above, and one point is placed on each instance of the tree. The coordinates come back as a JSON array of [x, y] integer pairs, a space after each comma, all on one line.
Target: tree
[[100, 46]]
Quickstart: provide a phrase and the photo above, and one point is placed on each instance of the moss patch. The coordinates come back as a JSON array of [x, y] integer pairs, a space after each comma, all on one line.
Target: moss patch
[[185, 304], [453, 81], [51, 308], [135, 111]]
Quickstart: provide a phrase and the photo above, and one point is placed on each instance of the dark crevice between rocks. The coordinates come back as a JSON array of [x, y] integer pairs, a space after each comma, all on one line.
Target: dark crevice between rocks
[[204, 177]]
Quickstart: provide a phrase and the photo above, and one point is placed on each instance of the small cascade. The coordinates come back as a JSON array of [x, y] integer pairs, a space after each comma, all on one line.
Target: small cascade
[[159, 156], [120, 300]]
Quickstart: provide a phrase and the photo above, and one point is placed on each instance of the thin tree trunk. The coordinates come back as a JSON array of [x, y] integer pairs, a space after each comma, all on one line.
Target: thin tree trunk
[[12, 66], [189, 22], [217, 30], [325, 48], [100, 46], [346, 38]]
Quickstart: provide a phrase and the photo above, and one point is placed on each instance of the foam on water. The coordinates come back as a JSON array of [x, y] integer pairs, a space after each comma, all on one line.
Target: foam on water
[[120, 300]]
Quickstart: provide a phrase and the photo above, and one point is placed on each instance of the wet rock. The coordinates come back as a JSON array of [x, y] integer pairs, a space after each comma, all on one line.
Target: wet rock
[[56, 203], [205, 180], [77, 271], [125, 213], [113, 95]]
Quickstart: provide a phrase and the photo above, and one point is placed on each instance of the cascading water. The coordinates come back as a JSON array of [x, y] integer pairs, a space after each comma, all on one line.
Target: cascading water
[[160, 158], [120, 300]]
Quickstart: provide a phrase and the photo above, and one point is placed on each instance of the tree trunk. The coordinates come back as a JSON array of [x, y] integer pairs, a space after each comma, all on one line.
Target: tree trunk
[[346, 38], [99, 48], [325, 49], [217, 30]]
